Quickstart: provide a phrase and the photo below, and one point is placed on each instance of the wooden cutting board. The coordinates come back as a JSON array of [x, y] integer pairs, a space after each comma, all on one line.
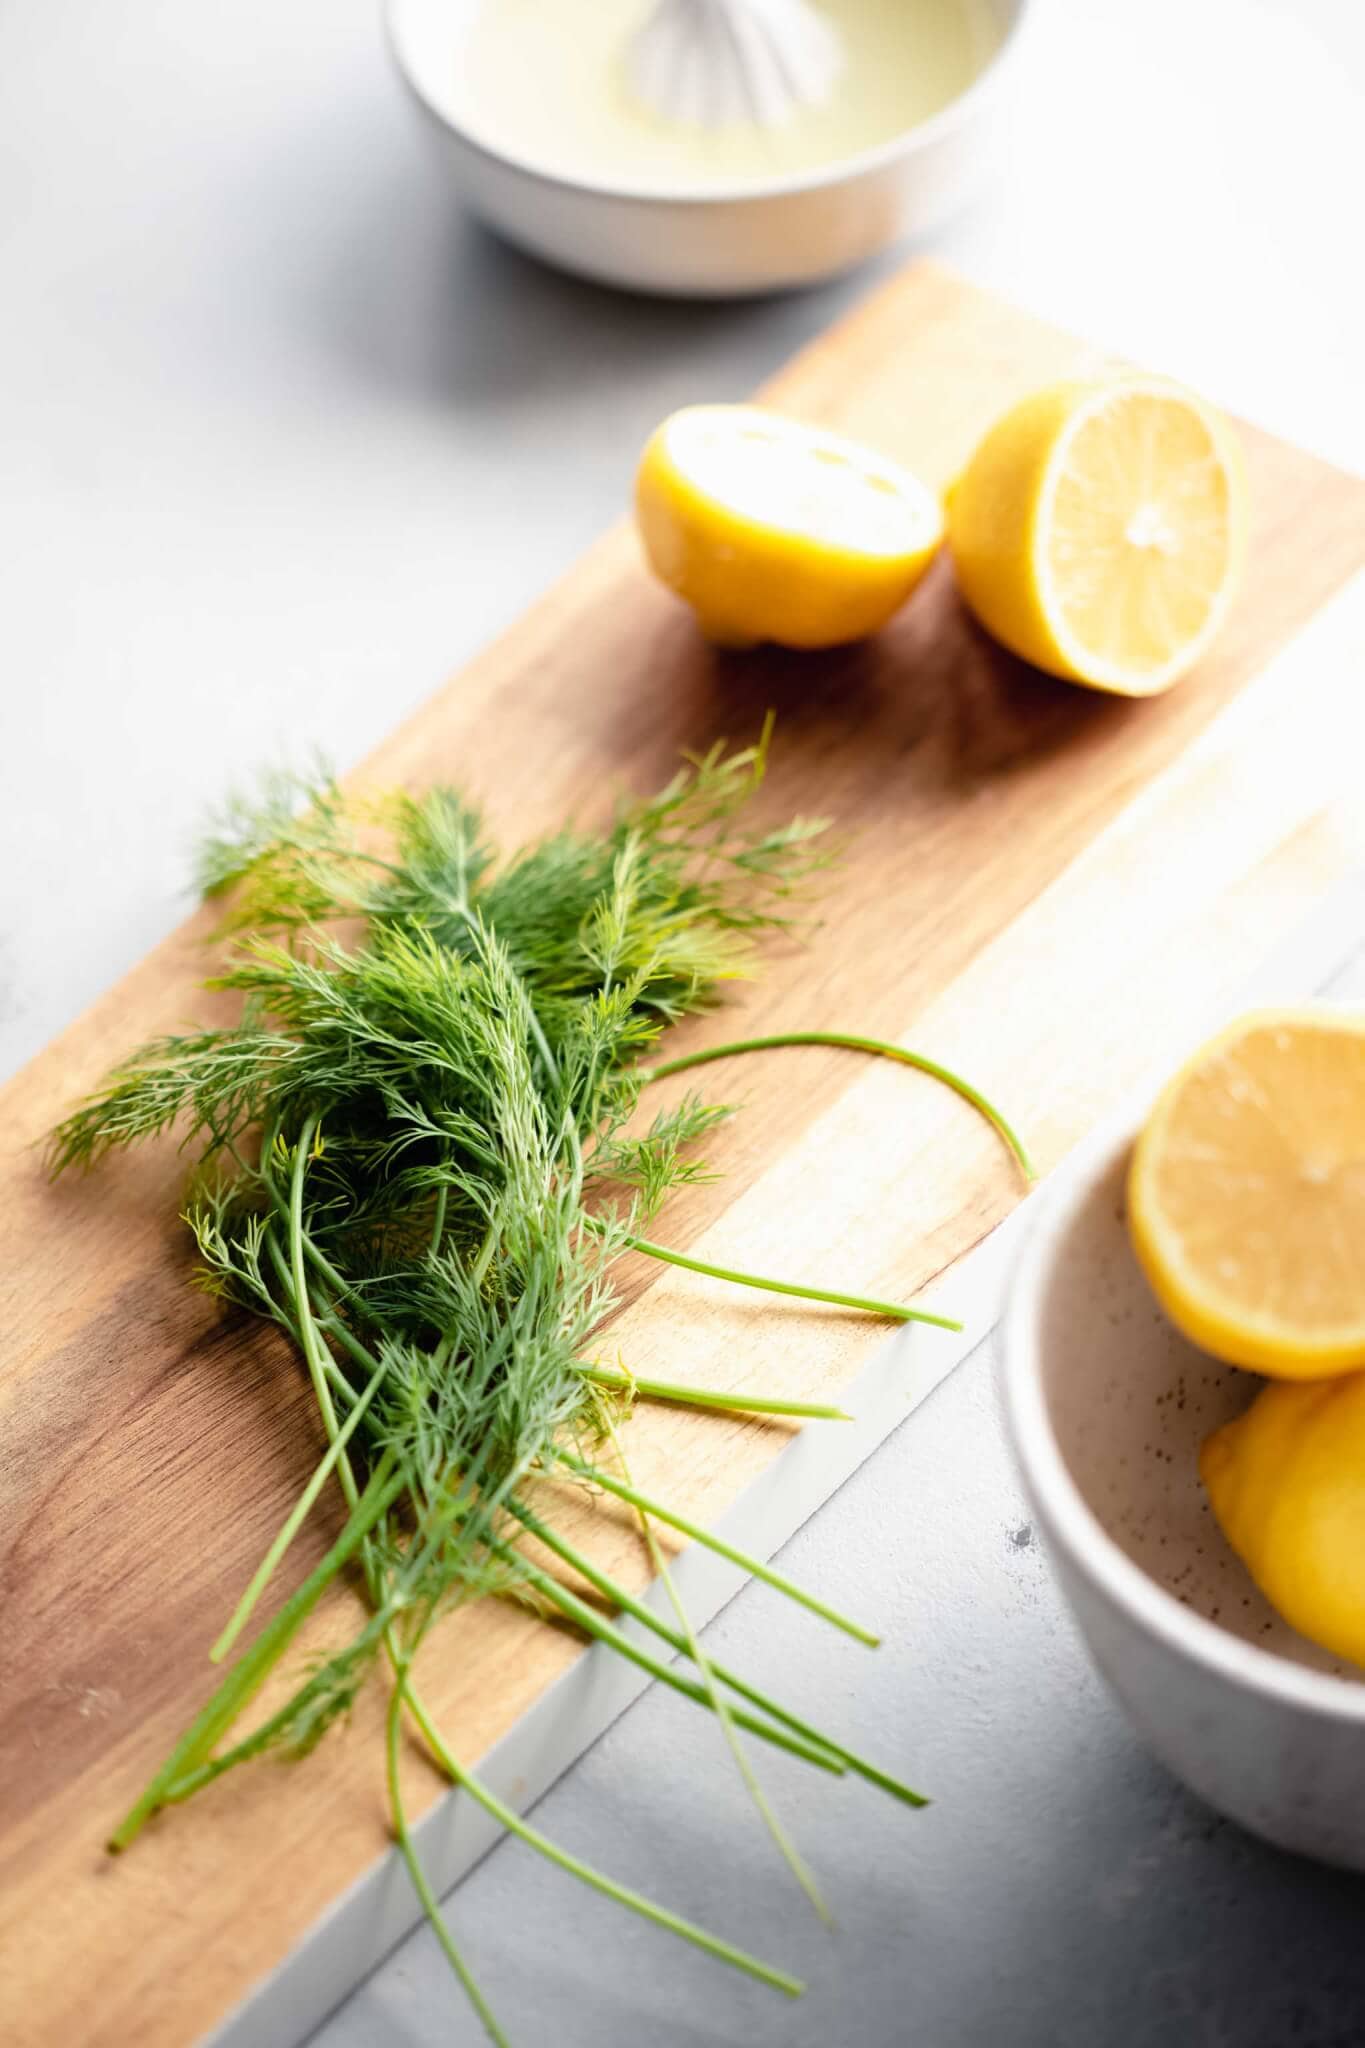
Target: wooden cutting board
[[1042, 885]]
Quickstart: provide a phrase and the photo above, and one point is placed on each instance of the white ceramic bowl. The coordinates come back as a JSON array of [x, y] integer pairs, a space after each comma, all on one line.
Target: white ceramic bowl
[[746, 239], [1107, 1406]]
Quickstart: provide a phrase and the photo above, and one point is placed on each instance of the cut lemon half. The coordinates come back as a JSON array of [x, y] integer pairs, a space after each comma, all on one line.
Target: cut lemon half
[[1247, 1195], [776, 531], [1098, 529]]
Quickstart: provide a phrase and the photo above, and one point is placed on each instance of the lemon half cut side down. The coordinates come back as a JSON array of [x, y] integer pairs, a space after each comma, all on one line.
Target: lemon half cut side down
[[776, 531], [1286, 1481]]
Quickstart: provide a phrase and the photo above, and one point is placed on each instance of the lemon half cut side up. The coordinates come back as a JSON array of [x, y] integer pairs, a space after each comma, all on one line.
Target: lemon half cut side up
[[1099, 530], [1247, 1195]]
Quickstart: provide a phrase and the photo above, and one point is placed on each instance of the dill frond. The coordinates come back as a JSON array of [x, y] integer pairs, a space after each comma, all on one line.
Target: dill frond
[[403, 1155]]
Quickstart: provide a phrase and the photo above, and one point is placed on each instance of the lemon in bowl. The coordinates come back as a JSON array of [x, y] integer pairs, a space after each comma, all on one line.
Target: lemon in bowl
[[1247, 1194], [1247, 1211], [775, 531], [1098, 531], [1286, 1481], [1108, 1404]]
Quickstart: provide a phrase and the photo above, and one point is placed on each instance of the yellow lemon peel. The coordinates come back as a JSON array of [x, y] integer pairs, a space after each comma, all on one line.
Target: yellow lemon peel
[[1247, 1194], [1098, 530], [1287, 1484], [776, 531]]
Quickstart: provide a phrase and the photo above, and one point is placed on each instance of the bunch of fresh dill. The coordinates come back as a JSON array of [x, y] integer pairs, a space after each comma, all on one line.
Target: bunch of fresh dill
[[412, 1155]]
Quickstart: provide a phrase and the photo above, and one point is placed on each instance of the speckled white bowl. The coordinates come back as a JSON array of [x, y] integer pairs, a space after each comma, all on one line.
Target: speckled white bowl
[[759, 236], [1107, 1406]]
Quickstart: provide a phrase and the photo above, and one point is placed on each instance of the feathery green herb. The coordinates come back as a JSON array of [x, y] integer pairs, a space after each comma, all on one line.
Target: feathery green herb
[[411, 1152]]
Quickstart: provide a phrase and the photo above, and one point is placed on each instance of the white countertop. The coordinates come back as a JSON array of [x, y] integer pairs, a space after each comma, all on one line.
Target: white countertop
[[283, 439]]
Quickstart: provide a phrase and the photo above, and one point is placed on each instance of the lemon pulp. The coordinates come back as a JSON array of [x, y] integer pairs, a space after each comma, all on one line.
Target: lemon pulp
[[1247, 1195], [1098, 529]]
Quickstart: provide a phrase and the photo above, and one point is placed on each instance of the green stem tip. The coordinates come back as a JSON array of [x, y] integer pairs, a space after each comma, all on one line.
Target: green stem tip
[[755, 1566], [850, 1041], [896, 1311], [675, 1392]]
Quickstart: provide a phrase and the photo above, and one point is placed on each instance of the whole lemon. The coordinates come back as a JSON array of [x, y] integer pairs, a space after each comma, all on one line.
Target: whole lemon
[[1287, 1483]]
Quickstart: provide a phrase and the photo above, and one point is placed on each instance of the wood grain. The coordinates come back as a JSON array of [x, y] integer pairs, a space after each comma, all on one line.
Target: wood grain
[[1040, 884]]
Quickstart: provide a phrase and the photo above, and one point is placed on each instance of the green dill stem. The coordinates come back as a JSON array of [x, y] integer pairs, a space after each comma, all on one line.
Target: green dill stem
[[431, 1905], [728, 1717], [316, 1258], [347, 1339], [753, 1565], [537, 1031], [623, 1895], [611, 1590], [334, 1373], [850, 1041], [586, 1617], [323, 1265], [704, 1397], [652, 1390], [318, 1361], [314, 1350], [336, 1449], [262, 1737], [595, 1624], [687, 1930], [390, 1596], [438, 1221], [249, 1674], [321, 1364], [897, 1311], [266, 1568], [636, 1902]]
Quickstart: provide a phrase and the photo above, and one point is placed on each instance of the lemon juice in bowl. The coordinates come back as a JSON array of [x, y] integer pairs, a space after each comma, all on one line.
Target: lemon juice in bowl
[[548, 82]]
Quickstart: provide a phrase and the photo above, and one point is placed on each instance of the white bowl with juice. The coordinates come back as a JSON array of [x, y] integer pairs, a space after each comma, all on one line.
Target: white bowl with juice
[[528, 103]]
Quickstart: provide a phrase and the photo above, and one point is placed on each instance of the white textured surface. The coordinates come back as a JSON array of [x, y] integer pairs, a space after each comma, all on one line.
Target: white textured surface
[[283, 440]]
